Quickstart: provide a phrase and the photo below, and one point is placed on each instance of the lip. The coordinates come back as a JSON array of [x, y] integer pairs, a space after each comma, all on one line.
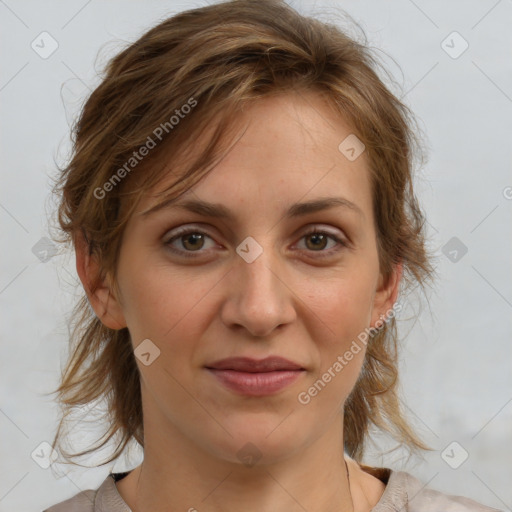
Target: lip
[[247, 364], [254, 377]]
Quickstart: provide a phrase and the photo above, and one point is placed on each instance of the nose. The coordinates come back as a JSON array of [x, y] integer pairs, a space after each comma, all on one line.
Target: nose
[[259, 299]]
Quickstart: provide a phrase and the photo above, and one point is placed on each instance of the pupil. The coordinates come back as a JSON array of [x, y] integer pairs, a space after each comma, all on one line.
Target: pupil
[[195, 237], [318, 238]]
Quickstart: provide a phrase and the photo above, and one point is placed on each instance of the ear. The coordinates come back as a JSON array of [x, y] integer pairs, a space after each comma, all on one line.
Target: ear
[[386, 295], [99, 290]]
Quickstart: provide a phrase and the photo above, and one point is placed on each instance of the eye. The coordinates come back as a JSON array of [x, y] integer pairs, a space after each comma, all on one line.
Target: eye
[[188, 241], [317, 240]]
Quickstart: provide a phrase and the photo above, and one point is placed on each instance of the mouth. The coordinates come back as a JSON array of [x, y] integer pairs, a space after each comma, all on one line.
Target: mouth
[[253, 377]]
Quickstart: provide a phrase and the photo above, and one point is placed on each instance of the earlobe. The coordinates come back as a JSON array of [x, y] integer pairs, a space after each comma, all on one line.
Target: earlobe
[[386, 296], [98, 289]]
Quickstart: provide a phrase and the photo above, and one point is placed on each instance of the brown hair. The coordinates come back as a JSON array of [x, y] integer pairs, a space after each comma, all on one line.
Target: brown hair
[[214, 59]]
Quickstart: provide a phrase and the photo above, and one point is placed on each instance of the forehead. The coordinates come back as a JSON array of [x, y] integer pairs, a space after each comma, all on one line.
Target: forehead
[[287, 148]]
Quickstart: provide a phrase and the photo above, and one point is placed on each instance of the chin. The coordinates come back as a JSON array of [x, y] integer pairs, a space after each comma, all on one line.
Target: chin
[[258, 441]]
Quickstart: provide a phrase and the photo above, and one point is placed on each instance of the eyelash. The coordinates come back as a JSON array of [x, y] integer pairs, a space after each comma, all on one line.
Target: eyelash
[[314, 231]]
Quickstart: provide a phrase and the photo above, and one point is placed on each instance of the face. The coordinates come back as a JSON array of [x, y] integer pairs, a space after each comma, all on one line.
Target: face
[[272, 277]]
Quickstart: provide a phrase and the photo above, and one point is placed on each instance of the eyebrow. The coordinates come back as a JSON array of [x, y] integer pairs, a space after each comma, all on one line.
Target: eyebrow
[[217, 210]]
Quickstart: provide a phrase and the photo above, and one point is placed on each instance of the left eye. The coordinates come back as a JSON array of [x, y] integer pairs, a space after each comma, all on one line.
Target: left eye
[[319, 240]]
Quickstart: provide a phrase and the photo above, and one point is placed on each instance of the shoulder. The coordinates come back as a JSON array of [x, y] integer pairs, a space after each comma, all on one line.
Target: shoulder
[[81, 502], [105, 498], [406, 493]]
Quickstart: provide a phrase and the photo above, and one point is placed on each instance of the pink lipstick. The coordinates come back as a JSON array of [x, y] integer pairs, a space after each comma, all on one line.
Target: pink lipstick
[[254, 377]]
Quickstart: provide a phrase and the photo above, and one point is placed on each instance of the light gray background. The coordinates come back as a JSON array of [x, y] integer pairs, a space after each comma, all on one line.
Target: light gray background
[[456, 360]]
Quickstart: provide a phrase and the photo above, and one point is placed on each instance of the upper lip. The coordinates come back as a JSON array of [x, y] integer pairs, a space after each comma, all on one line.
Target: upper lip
[[246, 364]]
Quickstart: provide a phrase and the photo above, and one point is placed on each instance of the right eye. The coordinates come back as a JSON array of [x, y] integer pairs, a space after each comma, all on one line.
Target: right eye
[[187, 240]]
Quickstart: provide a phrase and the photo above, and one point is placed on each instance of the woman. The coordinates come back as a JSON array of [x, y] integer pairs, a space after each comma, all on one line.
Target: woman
[[241, 205]]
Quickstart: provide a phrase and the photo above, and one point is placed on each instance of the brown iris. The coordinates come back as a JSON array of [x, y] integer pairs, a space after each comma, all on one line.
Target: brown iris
[[317, 237], [196, 241]]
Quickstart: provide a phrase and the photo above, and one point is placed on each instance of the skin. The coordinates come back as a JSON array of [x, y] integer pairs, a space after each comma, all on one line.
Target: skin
[[290, 301]]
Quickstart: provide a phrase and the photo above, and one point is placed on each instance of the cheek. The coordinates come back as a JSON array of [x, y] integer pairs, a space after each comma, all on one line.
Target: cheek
[[342, 305], [166, 307], [344, 313], [342, 310]]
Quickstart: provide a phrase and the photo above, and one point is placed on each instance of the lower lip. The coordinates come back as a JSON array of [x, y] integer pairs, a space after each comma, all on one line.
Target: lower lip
[[256, 384]]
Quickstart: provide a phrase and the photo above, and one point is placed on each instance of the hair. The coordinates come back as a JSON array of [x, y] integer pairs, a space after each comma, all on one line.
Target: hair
[[216, 59]]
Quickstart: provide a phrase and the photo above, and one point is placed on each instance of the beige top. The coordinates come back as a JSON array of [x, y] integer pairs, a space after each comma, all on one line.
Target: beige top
[[403, 493]]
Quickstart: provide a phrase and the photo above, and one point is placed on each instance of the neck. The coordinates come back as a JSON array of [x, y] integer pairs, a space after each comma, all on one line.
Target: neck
[[314, 479]]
